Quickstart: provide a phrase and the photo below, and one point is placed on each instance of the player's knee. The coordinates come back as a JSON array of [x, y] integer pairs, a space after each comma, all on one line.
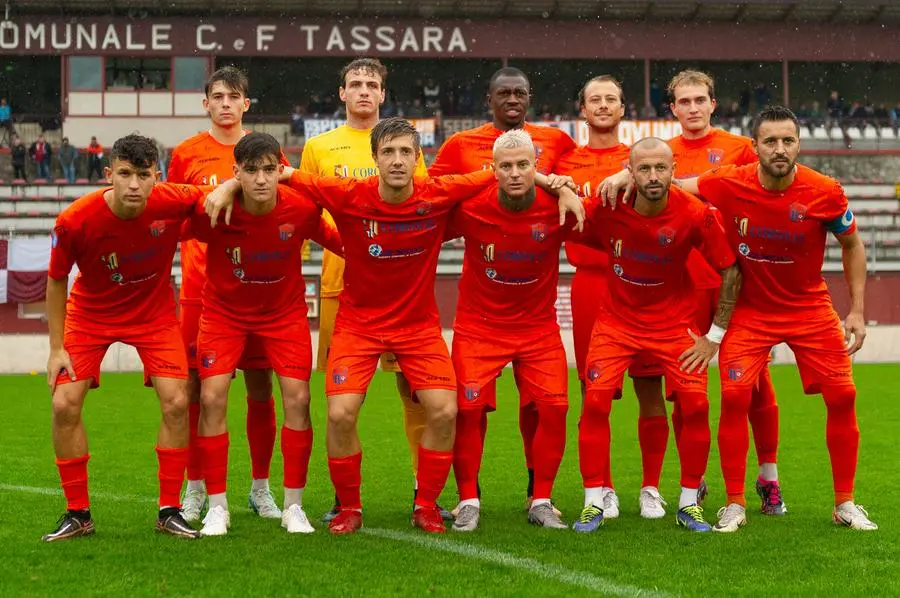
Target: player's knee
[[737, 399], [840, 397], [694, 406], [66, 408], [296, 399], [212, 399], [443, 414], [598, 403], [341, 418]]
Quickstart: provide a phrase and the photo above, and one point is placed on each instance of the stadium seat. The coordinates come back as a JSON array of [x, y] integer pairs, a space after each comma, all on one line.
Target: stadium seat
[[820, 133], [870, 133], [836, 134], [853, 132], [888, 133]]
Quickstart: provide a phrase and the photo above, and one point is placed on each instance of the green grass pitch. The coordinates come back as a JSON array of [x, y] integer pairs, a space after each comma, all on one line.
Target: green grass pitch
[[800, 554]]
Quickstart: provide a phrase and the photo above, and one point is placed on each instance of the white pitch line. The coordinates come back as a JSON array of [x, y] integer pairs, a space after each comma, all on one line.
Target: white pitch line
[[58, 492], [547, 571]]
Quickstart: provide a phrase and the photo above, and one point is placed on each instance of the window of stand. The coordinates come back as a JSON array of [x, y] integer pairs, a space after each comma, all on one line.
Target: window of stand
[[145, 74]]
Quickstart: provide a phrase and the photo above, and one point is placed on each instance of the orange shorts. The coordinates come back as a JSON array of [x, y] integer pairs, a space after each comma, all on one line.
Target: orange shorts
[[589, 287], [815, 337], [328, 308], [253, 358], [539, 365], [159, 347], [286, 345], [613, 349], [421, 353]]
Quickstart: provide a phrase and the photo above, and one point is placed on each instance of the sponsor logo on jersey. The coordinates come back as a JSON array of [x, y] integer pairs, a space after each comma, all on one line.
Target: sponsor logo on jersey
[[488, 252], [743, 225], [234, 253], [617, 247], [111, 260], [377, 251], [371, 228], [635, 280]]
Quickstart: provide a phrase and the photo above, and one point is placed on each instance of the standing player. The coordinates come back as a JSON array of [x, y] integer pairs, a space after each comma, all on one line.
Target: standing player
[[254, 290], [508, 97], [506, 314], [123, 239], [602, 102], [699, 148], [779, 214], [346, 152], [649, 309], [208, 159]]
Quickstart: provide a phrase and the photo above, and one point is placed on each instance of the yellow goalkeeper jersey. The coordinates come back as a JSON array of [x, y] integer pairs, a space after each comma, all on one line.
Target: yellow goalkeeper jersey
[[342, 152]]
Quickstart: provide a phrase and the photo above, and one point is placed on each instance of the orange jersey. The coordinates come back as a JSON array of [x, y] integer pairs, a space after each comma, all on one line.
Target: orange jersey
[[511, 264], [252, 273], [124, 265], [693, 157], [588, 167], [649, 288], [391, 250], [779, 236], [199, 160], [468, 151]]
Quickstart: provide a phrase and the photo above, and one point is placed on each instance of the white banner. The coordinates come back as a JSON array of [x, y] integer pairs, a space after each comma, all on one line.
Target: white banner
[[3, 286], [29, 254]]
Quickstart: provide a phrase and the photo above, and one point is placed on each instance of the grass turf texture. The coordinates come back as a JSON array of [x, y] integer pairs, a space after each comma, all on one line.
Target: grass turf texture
[[800, 554]]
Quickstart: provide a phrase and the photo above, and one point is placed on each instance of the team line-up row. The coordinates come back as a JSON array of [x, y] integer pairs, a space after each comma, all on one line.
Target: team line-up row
[[640, 301]]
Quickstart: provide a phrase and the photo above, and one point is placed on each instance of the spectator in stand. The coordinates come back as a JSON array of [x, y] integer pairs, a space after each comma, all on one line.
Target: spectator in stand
[[894, 117], [68, 154], [856, 114], [632, 112], [763, 96], [95, 159], [733, 115], [881, 115], [41, 152], [163, 159], [314, 107], [835, 108], [466, 100], [297, 121], [648, 112], [416, 109], [18, 158], [816, 116], [432, 93], [5, 116]]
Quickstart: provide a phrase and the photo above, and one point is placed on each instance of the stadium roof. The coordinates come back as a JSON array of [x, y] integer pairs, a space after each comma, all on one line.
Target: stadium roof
[[800, 11]]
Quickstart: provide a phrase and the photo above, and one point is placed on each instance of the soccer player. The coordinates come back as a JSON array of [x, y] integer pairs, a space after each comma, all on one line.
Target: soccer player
[[254, 289], [506, 313], [602, 102], [392, 227], [650, 309], [778, 214], [508, 97], [699, 148], [208, 159], [346, 152], [123, 239]]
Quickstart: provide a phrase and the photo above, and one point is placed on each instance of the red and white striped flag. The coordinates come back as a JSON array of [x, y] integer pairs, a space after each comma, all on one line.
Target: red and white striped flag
[[24, 262]]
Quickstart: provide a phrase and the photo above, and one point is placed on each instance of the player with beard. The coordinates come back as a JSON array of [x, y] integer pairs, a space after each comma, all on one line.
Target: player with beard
[[779, 214], [649, 309], [508, 97]]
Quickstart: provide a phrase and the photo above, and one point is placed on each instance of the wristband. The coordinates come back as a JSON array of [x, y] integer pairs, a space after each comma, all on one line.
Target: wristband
[[715, 334]]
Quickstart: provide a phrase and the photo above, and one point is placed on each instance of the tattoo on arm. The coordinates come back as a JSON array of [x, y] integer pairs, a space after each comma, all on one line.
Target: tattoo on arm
[[728, 293]]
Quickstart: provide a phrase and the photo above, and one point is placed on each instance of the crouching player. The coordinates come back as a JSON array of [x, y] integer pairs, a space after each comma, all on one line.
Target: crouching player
[[255, 290], [123, 239], [650, 312]]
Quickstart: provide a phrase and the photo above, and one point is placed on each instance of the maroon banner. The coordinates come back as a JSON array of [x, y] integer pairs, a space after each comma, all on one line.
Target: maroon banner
[[26, 287], [611, 40]]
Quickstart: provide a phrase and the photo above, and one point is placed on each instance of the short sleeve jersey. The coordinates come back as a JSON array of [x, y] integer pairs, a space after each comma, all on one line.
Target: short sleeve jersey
[[391, 250], [588, 167], [124, 265], [649, 288], [511, 264], [347, 153], [779, 236]]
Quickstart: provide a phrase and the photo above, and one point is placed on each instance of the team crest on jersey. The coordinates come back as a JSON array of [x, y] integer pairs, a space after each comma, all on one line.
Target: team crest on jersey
[[715, 155], [157, 227], [286, 232], [208, 359], [797, 212], [471, 392], [488, 252], [735, 372], [743, 225], [111, 260], [340, 375], [423, 208], [665, 236], [371, 228], [617, 247], [593, 372], [539, 232]]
